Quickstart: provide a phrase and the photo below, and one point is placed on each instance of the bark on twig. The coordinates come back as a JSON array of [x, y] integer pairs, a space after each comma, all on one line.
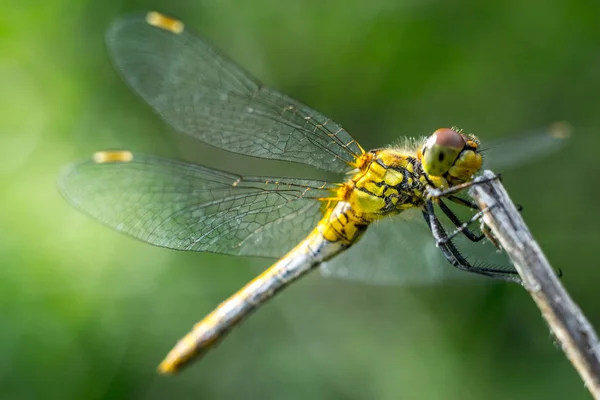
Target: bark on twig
[[570, 327]]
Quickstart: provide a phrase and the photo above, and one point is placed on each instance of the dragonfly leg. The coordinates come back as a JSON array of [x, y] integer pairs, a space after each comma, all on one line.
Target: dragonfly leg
[[437, 193], [471, 205], [463, 202], [453, 255], [464, 228], [460, 226]]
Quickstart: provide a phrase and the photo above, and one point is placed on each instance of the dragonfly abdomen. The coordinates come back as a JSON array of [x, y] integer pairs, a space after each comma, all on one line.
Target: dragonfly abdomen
[[335, 233]]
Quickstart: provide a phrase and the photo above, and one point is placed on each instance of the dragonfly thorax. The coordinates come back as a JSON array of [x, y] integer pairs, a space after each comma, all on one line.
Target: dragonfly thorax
[[389, 182]]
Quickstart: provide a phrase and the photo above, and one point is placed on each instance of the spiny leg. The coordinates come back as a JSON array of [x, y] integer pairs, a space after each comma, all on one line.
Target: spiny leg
[[454, 256], [447, 247], [463, 202], [464, 227], [471, 205], [449, 251], [437, 193], [485, 230], [460, 226]]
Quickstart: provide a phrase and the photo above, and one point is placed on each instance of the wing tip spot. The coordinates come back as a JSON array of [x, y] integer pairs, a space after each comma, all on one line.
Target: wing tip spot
[[103, 157], [561, 130], [161, 21]]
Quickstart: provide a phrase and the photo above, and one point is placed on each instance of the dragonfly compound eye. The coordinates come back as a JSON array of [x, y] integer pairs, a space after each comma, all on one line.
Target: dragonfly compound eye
[[441, 151]]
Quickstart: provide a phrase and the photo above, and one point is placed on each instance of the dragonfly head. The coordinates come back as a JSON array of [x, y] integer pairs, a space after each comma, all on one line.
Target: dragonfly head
[[451, 154]]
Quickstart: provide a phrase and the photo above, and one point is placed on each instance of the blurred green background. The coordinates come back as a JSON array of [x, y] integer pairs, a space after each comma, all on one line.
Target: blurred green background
[[87, 313]]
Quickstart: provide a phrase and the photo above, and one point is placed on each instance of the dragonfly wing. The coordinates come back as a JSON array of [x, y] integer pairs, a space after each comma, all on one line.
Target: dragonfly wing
[[401, 250], [184, 206], [395, 250], [202, 93], [507, 153]]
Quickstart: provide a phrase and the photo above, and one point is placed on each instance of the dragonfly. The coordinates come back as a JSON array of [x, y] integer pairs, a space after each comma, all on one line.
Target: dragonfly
[[353, 228]]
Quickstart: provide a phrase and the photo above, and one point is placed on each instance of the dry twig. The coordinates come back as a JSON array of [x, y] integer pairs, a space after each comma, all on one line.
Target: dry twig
[[570, 327]]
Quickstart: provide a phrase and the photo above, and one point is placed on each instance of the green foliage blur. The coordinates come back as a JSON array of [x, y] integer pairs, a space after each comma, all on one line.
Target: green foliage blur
[[88, 313]]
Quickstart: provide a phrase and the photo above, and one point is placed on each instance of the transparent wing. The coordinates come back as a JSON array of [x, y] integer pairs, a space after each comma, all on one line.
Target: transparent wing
[[401, 250], [202, 93], [184, 206], [511, 152]]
